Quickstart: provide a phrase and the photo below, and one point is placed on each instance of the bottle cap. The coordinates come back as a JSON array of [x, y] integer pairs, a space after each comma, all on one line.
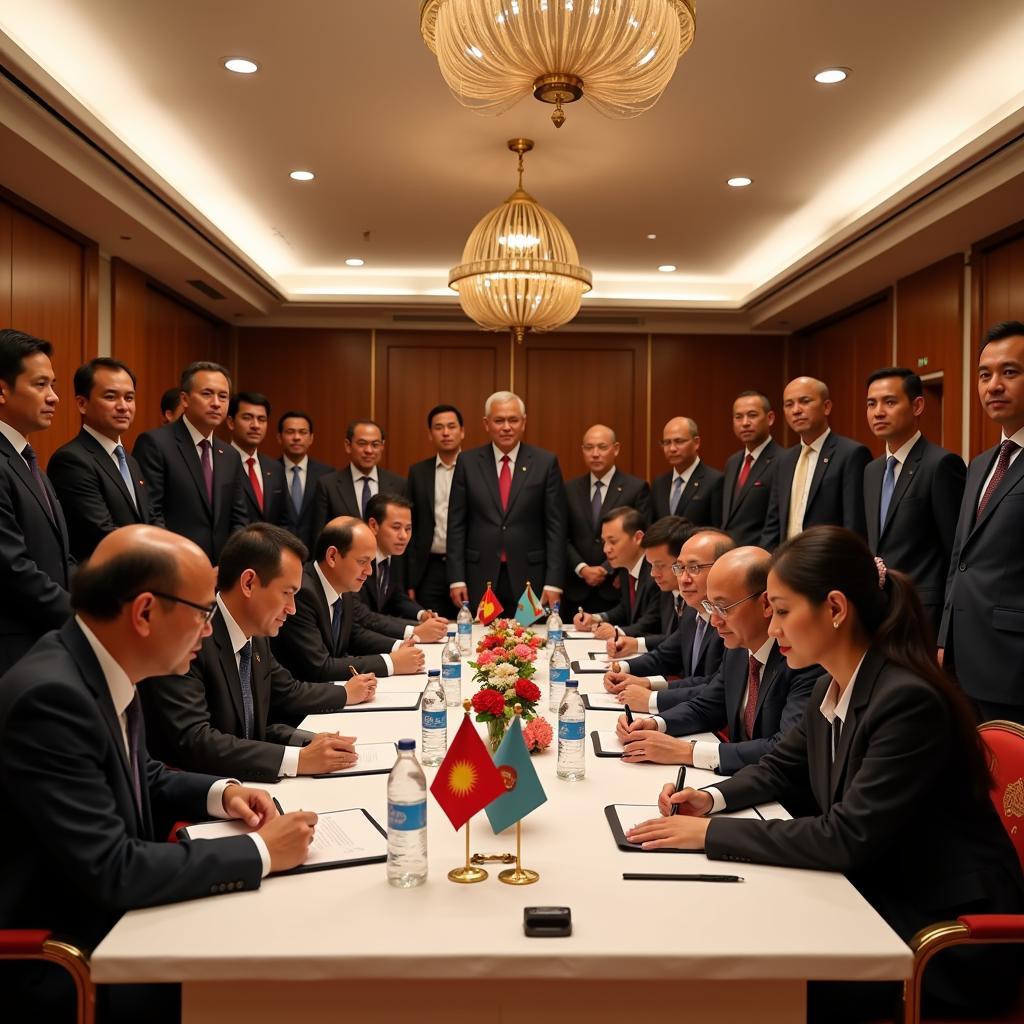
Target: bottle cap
[[572, 683], [451, 632], [433, 672], [406, 744]]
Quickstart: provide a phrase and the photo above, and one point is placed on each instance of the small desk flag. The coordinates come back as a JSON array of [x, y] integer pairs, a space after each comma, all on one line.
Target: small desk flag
[[490, 607], [467, 780], [523, 791], [528, 611]]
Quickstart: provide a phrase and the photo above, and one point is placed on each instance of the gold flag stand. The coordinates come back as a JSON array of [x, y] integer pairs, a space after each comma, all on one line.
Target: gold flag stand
[[468, 873], [518, 875]]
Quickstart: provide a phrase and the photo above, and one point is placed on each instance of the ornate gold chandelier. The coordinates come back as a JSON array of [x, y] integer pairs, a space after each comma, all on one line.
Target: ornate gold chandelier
[[618, 54], [519, 269]]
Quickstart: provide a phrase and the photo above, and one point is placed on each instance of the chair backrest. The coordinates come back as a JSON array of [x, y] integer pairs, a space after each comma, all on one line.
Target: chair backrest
[[1004, 744]]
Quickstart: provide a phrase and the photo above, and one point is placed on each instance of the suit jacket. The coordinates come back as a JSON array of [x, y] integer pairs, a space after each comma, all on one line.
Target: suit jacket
[[781, 698], [917, 537], [35, 567], [673, 657], [336, 495], [196, 721], [305, 645], [743, 514], [300, 521], [275, 494], [982, 626], [177, 494], [396, 603], [584, 540], [645, 616], [531, 531], [75, 851], [700, 502], [836, 494], [94, 496]]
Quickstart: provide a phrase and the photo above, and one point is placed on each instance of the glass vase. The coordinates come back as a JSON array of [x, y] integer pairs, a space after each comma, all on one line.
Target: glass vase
[[495, 733]]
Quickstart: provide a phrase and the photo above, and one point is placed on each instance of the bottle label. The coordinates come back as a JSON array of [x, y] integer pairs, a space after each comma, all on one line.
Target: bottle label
[[465, 629], [407, 817], [451, 670], [558, 675], [571, 730], [555, 636], [435, 720]]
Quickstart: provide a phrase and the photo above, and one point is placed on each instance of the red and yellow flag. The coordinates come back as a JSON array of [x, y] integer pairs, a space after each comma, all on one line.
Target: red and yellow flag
[[490, 607], [467, 780]]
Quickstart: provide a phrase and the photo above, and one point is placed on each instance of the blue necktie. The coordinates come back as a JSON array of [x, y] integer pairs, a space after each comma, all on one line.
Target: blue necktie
[[677, 493], [365, 500], [297, 488], [245, 678], [122, 465], [336, 625], [698, 639], [888, 486], [596, 506]]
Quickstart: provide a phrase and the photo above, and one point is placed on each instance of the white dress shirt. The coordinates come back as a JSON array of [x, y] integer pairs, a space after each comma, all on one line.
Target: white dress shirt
[[17, 439], [684, 476], [197, 437], [105, 443], [606, 481], [331, 596], [442, 492], [756, 452], [798, 502], [901, 454], [1019, 439], [357, 481]]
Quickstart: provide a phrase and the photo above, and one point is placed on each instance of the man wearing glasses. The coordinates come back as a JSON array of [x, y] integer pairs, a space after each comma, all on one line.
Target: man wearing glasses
[[690, 489], [754, 694]]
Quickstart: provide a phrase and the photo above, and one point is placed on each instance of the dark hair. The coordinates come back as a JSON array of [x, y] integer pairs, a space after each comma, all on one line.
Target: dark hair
[[672, 531], [340, 537], [15, 347], [350, 430], [291, 414], [757, 394], [438, 409], [101, 591], [250, 398], [259, 547], [912, 387], [632, 520], [202, 366], [170, 400], [377, 506], [1003, 330], [85, 375], [725, 542], [825, 558]]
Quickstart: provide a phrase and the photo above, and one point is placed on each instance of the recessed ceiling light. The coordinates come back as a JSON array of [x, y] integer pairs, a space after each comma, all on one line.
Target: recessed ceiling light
[[831, 76], [354, 262], [652, 237], [667, 268], [739, 182], [302, 175], [241, 65]]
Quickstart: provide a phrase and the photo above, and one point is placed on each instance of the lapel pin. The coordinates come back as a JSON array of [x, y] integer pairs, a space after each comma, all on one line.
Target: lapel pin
[[257, 657], [220, 451], [825, 462]]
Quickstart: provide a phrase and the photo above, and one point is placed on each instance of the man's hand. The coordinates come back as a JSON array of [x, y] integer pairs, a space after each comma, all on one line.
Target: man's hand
[[940, 653], [550, 597], [691, 802], [615, 680], [407, 659], [603, 631], [657, 748], [328, 752], [593, 575], [288, 837], [458, 595], [432, 629], [681, 832], [361, 688], [625, 731], [583, 621], [622, 646], [253, 806], [638, 698]]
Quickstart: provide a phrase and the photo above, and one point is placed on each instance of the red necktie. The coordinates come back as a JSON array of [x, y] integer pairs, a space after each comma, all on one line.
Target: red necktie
[[254, 479], [632, 592], [1006, 449], [744, 472], [504, 482], [753, 682]]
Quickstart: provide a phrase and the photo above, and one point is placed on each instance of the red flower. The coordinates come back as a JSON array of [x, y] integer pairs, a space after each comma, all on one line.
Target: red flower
[[490, 702], [526, 690]]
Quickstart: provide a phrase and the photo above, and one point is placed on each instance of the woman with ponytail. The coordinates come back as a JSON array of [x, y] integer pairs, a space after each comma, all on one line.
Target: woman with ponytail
[[888, 755]]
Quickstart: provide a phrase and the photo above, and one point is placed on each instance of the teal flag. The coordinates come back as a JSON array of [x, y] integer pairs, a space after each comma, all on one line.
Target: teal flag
[[529, 610], [524, 792]]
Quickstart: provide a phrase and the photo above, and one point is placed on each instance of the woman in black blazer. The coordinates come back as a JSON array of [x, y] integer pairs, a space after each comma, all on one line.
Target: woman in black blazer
[[900, 788]]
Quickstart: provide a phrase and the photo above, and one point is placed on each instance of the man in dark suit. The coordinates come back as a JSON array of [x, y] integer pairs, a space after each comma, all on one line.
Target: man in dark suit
[[99, 485], [34, 550], [348, 491], [982, 628], [820, 481], [232, 712], [689, 657], [86, 810], [328, 636], [754, 693], [170, 405], [912, 493], [506, 515], [691, 488], [263, 484], [295, 436], [589, 578], [194, 479], [428, 486], [750, 471]]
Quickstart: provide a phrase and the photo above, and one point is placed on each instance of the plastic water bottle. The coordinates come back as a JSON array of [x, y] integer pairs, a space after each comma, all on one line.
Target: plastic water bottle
[[572, 726], [407, 819], [555, 633], [465, 624], [435, 720], [451, 671], [558, 675]]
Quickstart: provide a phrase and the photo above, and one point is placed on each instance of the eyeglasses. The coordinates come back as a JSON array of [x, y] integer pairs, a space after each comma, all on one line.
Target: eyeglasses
[[691, 568], [722, 611], [668, 442], [375, 445], [208, 610]]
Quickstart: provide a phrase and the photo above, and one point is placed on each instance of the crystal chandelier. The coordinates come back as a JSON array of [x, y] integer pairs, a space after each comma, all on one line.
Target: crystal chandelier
[[519, 269], [619, 54]]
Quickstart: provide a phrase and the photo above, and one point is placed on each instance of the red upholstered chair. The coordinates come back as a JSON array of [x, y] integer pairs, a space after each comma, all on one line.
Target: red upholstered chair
[[1005, 744], [37, 944]]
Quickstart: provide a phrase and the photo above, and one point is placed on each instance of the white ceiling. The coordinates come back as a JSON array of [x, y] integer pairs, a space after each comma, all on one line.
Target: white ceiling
[[350, 91]]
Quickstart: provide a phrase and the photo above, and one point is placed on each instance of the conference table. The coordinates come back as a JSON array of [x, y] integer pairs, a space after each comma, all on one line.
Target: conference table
[[345, 945]]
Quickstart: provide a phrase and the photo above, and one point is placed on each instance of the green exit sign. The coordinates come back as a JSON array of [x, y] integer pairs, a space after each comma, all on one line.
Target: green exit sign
[[923, 361]]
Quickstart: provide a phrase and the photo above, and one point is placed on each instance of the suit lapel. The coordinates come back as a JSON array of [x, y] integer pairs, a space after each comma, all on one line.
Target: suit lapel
[[691, 486], [190, 454], [520, 472], [347, 488], [732, 474], [757, 471], [771, 673], [1013, 476], [21, 470], [323, 613], [228, 666], [825, 457], [489, 474], [784, 480], [612, 493], [873, 500], [106, 464], [260, 686], [907, 473], [870, 669]]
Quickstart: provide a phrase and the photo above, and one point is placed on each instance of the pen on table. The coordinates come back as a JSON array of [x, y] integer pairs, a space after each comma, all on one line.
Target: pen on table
[[580, 612], [680, 783], [628, 876], [629, 714]]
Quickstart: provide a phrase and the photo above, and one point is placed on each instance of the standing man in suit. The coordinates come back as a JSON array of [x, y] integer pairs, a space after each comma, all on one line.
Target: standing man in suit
[[34, 550], [194, 479], [506, 515], [295, 436], [263, 485], [589, 497], [170, 405], [912, 493], [982, 628], [230, 714], [690, 489], [429, 486], [750, 471], [348, 491], [820, 481], [99, 485]]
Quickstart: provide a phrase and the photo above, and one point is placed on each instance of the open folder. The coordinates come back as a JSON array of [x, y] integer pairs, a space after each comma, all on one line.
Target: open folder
[[405, 701], [374, 759], [342, 839], [623, 817]]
